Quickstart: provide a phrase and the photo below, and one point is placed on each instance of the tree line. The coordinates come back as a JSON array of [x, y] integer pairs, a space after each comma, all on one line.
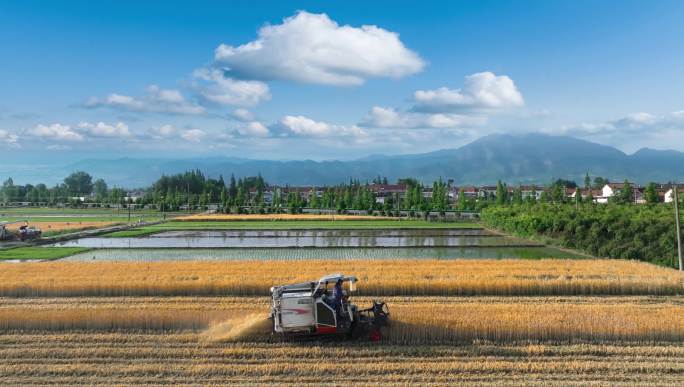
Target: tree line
[[612, 230]]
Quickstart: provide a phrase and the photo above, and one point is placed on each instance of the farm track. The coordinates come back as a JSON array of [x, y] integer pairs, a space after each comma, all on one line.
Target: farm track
[[183, 358]]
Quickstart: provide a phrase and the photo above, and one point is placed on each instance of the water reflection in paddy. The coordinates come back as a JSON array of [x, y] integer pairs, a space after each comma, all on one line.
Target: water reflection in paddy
[[304, 239], [317, 253]]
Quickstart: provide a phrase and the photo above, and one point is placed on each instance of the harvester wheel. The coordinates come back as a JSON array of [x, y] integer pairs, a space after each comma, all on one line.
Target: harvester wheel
[[375, 335]]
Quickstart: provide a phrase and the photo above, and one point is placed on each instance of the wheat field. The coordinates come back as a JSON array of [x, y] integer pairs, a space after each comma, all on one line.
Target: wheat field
[[480, 322], [181, 358], [377, 277], [60, 225], [415, 320], [565, 340]]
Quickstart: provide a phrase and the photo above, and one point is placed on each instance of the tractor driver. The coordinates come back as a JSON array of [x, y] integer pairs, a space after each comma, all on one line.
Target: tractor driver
[[337, 296]]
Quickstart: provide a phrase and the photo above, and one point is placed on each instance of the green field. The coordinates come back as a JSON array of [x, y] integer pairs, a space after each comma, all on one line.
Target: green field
[[288, 225], [39, 252]]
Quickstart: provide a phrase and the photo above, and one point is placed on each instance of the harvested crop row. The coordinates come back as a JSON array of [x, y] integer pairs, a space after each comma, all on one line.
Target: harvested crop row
[[413, 323], [378, 277], [183, 359]]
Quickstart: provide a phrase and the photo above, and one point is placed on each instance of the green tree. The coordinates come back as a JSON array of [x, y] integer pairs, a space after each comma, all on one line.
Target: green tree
[[501, 193], [545, 196], [651, 194], [232, 189], [587, 181], [240, 197], [626, 194], [599, 182], [578, 195], [462, 200], [79, 183], [9, 191], [100, 188], [314, 202], [558, 193], [517, 196]]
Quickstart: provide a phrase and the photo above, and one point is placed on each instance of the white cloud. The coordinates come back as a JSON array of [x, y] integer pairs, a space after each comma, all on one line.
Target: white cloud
[[243, 114], [10, 139], [102, 129], [380, 117], [304, 126], [58, 147], [312, 48], [156, 100], [254, 129], [484, 90], [213, 86], [482, 95], [163, 131], [193, 135], [56, 132], [640, 123]]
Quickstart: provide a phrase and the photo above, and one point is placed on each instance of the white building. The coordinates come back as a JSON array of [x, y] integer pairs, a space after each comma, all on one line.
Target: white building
[[669, 194]]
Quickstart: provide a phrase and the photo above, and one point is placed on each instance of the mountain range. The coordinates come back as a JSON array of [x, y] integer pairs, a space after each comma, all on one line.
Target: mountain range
[[516, 159]]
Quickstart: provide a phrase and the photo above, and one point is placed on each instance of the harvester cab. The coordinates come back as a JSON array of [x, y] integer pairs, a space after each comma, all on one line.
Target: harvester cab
[[310, 309], [23, 233]]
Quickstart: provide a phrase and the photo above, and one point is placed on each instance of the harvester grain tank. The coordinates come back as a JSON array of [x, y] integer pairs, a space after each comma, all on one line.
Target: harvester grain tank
[[316, 308]]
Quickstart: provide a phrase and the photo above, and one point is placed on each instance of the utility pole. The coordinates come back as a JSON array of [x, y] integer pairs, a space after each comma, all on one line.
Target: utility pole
[[679, 233]]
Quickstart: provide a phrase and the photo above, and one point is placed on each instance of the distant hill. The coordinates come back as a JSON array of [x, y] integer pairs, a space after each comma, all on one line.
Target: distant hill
[[530, 158]]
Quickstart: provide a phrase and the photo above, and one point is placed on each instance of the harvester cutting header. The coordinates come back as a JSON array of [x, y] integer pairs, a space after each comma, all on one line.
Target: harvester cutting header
[[322, 308]]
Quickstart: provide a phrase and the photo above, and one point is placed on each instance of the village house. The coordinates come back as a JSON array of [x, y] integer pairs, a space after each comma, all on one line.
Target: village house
[[668, 195], [383, 191], [612, 189]]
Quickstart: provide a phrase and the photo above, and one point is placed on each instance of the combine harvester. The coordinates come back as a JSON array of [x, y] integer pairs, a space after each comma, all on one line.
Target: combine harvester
[[23, 233], [313, 309]]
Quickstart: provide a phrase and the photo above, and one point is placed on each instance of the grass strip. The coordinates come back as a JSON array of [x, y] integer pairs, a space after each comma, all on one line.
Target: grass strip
[[23, 253], [289, 225]]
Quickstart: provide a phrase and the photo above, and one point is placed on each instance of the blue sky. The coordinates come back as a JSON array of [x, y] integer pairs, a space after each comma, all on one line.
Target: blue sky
[[324, 80]]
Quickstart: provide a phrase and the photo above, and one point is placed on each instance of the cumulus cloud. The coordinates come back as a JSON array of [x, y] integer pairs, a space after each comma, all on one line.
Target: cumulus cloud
[[164, 131], [243, 114], [483, 94], [57, 132], [304, 126], [102, 129], [213, 86], [484, 90], [193, 135], [254, 129], [312, 48], [9, 139], [641, 123], [156, 100], [381, 117]]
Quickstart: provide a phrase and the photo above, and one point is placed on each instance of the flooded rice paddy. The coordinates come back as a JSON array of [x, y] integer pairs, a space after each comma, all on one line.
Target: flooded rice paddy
[[303, 239], [310, 244]]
